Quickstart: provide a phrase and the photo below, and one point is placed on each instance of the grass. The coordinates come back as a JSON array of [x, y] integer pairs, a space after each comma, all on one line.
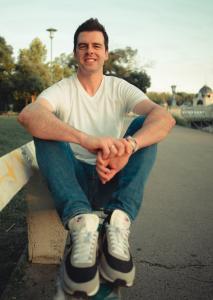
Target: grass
[[12, 241], [12, 134]]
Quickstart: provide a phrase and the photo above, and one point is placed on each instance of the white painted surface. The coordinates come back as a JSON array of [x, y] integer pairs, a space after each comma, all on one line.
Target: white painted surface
[[15, 171]]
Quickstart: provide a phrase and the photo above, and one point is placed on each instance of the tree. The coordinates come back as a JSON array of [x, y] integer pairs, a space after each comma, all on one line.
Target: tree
[[6, 69], [63, 66], [139, 79], [122, 63], [32, 74], [184, 98], [160, 98]]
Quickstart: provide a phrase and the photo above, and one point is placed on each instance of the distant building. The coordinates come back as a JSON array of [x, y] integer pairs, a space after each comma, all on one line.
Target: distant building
[[204, 97]]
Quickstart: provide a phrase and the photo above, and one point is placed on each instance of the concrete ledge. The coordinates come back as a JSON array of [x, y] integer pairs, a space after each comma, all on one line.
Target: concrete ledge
[[46, 234]]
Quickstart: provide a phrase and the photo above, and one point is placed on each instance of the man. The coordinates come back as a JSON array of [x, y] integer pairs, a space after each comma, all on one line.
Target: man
[[77, 124]]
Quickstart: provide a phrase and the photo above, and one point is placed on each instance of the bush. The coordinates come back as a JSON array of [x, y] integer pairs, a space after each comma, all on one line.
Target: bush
[[180, 121]]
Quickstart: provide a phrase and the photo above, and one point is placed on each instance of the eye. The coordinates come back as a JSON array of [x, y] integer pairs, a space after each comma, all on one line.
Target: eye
[[97, 46], [82, 46]]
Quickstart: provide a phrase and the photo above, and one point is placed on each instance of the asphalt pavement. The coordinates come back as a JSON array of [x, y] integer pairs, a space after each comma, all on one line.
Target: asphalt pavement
[[172, 238]]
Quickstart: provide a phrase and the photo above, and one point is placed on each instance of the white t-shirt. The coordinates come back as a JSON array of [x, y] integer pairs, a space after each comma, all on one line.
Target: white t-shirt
[[100, 115]]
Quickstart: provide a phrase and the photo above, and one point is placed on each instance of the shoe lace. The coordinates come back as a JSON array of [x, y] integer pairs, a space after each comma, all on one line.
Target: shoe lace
[[84, 245], [118, 238]]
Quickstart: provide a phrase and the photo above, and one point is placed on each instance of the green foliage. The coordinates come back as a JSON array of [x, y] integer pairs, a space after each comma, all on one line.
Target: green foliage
[[122, 63], [159, 98], [63, 66], [6, 69], [184, 98], [181, 98], [31, 75], [180, 121], [36, 54], [139, 79]]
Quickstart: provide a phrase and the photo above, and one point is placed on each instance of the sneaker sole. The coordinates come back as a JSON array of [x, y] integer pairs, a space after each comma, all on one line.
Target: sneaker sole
[[78, 293], [117, 281], [65, 286]]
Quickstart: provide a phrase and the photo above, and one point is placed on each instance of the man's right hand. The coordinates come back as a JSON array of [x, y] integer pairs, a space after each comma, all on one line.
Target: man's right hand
[[107, 168], [110, 147]]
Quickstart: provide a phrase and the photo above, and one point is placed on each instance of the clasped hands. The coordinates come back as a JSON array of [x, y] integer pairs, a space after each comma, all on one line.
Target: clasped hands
[[108, 165], [112, 154]]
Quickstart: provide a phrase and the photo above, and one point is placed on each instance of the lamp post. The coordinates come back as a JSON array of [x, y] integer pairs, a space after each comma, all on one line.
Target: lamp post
[[173, 87], [51, 32]]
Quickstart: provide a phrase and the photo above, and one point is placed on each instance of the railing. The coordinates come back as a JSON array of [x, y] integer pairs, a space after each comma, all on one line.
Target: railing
[[197, 113]]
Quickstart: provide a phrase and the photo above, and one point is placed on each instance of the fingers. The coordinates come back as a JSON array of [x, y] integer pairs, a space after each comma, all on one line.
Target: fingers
[[114, 147], [120, 146], [100, 159], [128, 146], [105, 176], [110, 147], [113, 150], [104, 172], [105, 151], [102, 169]]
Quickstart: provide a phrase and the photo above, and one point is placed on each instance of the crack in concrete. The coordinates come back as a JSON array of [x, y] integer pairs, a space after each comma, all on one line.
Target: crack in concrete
[[204, 281], [173, 267]]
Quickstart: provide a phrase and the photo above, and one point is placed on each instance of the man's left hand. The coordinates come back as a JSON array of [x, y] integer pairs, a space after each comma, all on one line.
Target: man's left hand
[[107, 168]]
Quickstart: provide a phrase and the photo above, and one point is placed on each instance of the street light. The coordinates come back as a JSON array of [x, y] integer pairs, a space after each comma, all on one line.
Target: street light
[[51, 32], [173, 87]]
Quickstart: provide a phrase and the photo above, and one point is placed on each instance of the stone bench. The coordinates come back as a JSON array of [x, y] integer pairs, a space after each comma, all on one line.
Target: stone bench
[[46, 235]]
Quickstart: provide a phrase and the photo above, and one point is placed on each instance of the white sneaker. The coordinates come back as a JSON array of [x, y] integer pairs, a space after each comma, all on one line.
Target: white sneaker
[[80, 271], [116, 263]]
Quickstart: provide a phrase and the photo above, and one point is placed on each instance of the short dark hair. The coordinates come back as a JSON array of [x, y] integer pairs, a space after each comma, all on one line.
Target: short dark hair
[[91, 25]]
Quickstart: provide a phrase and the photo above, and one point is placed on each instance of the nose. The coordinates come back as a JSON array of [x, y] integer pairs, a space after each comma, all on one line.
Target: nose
[[90, 49]]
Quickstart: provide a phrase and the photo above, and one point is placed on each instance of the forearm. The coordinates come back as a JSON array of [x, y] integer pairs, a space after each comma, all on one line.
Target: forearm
[[156, 127], [45, 125], [42, 123]]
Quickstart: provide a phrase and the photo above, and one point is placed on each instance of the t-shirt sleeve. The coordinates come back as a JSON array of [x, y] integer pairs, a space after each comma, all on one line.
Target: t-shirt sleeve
[[53, 94], [131, 95]]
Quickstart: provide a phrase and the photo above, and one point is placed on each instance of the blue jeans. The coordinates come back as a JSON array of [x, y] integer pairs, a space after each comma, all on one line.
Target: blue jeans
[[76, 187]]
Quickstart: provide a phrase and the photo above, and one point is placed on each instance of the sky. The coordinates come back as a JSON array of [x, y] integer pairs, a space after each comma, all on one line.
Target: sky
[[173, 37]]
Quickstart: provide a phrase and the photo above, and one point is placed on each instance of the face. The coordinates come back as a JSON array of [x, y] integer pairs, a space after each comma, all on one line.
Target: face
[[90, 51]]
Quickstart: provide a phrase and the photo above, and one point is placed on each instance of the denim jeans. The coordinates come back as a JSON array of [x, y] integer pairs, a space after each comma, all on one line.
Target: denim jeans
[[76, 187]]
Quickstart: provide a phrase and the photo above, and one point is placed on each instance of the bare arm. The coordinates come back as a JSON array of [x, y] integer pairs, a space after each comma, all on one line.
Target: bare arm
[[157, 125], [39, 120]]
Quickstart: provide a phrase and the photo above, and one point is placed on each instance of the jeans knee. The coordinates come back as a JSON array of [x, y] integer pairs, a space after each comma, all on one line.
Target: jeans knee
[[48, 144], [135, 125]]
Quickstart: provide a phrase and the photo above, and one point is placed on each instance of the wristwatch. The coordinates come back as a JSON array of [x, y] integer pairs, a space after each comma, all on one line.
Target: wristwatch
[[133, 143]]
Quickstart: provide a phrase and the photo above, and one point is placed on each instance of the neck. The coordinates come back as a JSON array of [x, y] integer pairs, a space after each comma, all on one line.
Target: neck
[[90, 82]]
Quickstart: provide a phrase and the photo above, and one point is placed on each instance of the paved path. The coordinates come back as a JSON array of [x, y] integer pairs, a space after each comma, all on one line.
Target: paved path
[[173, 235], [172, 239]]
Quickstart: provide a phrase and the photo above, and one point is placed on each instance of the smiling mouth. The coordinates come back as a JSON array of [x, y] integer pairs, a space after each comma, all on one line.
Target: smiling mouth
[[89, 60]]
